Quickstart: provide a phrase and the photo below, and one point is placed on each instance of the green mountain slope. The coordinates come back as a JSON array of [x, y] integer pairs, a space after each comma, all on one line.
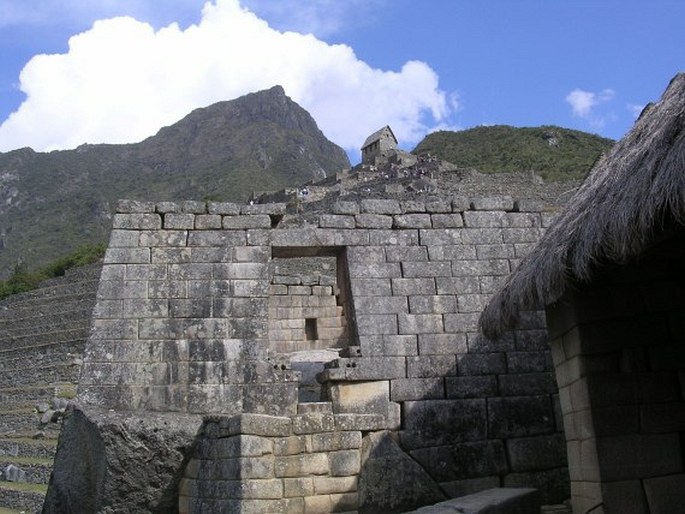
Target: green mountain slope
[[554, 153], [52, 203]]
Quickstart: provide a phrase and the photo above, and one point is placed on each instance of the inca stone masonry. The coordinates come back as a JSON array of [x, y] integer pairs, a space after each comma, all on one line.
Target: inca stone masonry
[[244, 359]]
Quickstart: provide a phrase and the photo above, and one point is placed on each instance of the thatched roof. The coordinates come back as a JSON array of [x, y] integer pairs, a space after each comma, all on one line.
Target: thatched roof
[[613, 216]]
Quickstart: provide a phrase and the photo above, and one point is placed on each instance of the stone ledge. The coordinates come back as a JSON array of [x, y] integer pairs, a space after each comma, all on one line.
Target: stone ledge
[[490, 501]]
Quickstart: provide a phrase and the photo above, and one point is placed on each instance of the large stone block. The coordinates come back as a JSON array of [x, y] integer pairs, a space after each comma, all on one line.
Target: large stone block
[[520, 416], [344, 462], [85, 478], [629, 496], [626, 457], [375, 305], [359, 397], [443, 422], [406, 253], [127, 256], [471, 387], [390, 480], [301, 465], [481, 364], [404, 389], [536, 453], [378, 206], [432, 304], [388, 345], [371, 287], [407, 237], [527, 384], [420, 323], [371, 324], [665, 494], [442, 344], [427, 366], [140, 221], [373, 221], [374, 270], [461, 461], [333, 441]]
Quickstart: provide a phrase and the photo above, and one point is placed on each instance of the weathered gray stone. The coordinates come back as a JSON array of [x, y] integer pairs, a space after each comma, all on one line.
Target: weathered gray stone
[[463, 460], [443, 422], [492, 203], [97, 465], [491, 501], [390, 481], [374, 206]]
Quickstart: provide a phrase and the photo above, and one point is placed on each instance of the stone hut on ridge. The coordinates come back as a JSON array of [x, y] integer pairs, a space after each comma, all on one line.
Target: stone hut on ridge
[[378, 145]]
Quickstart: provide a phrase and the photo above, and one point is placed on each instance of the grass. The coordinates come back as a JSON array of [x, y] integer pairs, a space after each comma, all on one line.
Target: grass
[[25, 487], [28, 461]]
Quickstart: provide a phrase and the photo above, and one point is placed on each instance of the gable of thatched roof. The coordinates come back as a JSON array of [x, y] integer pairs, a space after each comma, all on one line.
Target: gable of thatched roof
[[612, 217]]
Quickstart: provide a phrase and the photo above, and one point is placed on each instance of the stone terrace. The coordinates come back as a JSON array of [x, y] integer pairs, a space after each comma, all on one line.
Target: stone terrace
[[42, 337]]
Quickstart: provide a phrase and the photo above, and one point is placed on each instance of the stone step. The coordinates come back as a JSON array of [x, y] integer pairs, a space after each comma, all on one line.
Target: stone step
[[34, 470], [504, 500], [22, 497], [27, 447]]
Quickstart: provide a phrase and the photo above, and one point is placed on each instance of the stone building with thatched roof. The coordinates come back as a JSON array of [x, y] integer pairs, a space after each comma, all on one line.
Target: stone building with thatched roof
[[377, 144], [610, 274]]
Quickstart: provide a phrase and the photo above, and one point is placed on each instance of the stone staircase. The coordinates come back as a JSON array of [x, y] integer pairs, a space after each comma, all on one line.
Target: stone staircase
[[42, 337]]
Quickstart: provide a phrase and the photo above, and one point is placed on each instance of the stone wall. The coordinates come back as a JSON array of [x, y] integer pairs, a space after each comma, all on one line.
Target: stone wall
[[620, 363], [187, 317]]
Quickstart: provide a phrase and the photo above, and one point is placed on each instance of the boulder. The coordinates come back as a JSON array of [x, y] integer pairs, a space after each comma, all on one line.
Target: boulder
[[106, 457]]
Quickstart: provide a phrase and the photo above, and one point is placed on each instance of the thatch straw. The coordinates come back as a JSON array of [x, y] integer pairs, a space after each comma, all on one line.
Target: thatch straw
[[626, 198]]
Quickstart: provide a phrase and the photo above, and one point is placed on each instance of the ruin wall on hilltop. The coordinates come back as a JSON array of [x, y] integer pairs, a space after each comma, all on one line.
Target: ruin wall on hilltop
[[202, 309]]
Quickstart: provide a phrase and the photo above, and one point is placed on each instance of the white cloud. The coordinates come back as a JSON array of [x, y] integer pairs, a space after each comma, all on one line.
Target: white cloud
[[122, 80], [590, 106], [584, 102]]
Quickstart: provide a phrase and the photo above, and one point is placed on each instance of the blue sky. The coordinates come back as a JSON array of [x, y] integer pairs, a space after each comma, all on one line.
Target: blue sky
[[115, 71]]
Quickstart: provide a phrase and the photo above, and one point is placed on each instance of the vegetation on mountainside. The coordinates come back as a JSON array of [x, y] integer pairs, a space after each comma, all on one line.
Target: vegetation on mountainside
[[554, 153], [51, 203], [22, 279]]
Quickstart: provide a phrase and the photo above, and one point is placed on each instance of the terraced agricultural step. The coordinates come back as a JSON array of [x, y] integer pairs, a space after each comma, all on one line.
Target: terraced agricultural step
[[45, 295], [27, 447], [44, 338], [52, 352], [37, 469], [47, 373], [19, 421], [38, 324], [22, 497], [12, 398]]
